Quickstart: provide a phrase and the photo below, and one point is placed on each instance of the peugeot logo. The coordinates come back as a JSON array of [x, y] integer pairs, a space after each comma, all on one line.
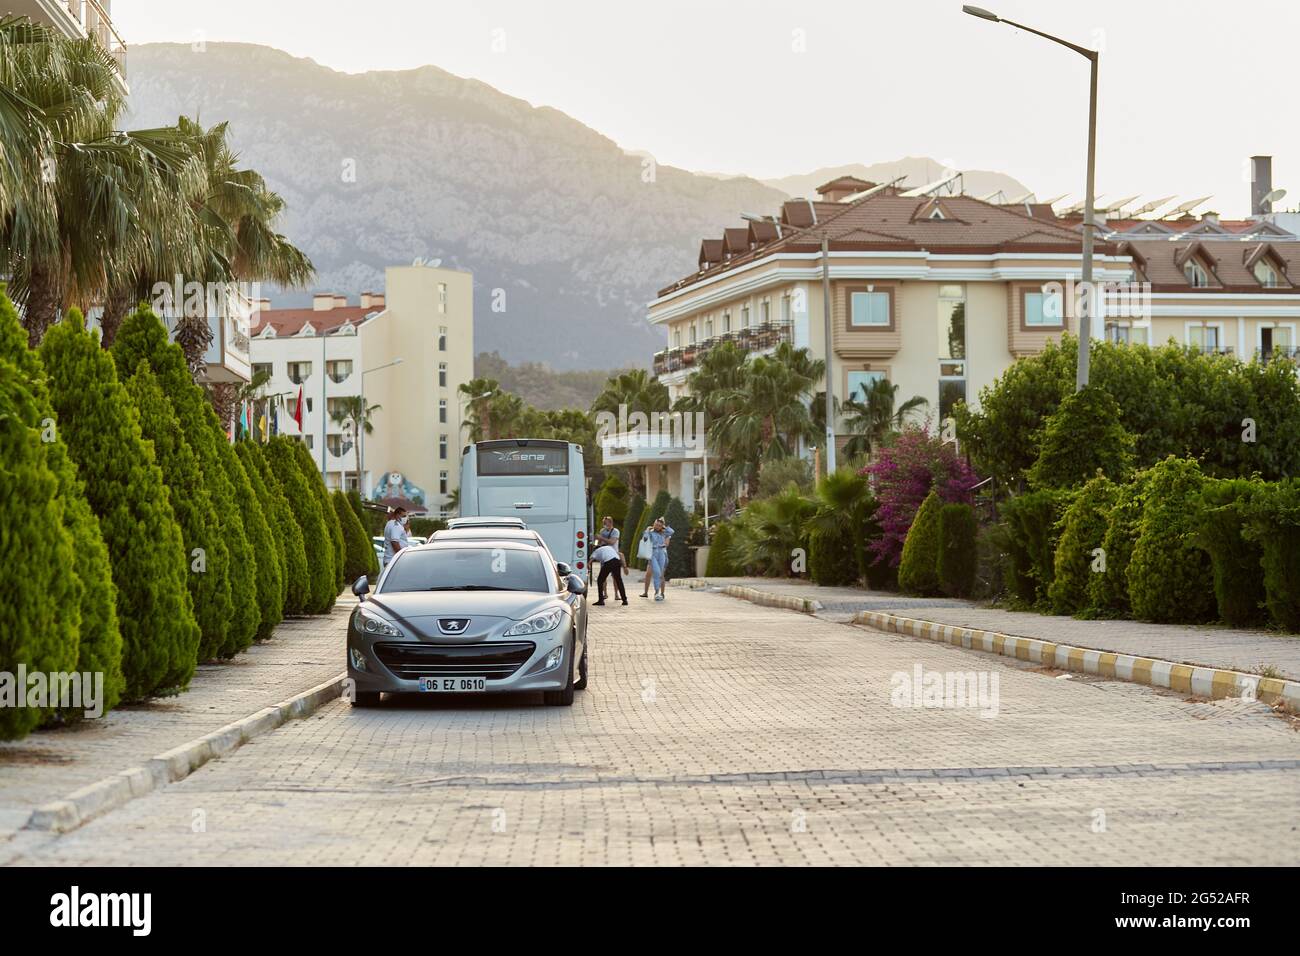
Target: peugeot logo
[[453, 625]]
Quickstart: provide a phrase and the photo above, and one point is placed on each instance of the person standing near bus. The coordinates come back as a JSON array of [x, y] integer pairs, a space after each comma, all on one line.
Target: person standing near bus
[[660, 535], [395, 535], [608, 534], [610, 564]]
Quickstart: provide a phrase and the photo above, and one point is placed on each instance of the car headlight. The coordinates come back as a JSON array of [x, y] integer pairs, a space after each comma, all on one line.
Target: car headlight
[[537, 624], [369, 623]]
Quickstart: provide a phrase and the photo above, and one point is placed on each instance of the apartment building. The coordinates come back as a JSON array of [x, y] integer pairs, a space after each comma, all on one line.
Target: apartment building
[[76, 18], [407, 350]]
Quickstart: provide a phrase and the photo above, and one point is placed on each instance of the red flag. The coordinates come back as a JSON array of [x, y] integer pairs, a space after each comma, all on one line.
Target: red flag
[[297, 411]]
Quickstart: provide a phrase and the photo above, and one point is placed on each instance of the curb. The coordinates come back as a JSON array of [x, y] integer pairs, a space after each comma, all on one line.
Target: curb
[[755, 596], [82, 806], [1211, 682]]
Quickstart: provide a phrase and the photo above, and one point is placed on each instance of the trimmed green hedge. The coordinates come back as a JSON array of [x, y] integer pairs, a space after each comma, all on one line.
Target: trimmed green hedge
[[269, 570], [360, 555], [1225, 510], [338, 555], [1108, 593], [317, 544], [1082, 438], [680, 564], [284, 528], [720, 563], [832, 557], [125, 488], [1168, 573], [1275, 525], [1029, 533], [958, 554], [918, 570], [612, 500], [628, 537], [1083, 526]]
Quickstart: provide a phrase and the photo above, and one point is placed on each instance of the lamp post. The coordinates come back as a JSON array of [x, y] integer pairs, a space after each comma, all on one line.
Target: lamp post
[[1088, 300], [361, 428]]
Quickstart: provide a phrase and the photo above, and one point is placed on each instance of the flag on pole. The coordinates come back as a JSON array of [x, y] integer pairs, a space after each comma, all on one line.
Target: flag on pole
[[297, 411], [275, 415], [261, 428]]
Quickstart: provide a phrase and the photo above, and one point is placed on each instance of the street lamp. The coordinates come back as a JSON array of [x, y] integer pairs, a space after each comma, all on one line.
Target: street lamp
[[361, 430], [1088, 299]]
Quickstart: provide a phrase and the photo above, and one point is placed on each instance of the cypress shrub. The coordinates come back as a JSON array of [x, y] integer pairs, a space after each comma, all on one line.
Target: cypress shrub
[[1080, 439], [958, 554], [125, 488], [627, 542], [360, 558], [1275, 524], [284, 528], [832, 557], [1030, 528], [205, 549], [317, 546], [99, 645], [612, 500], [1168, 574], [143, 336], [41, 611], [1225, 509], [720, 563], [1083, 526], [881, 577], [338, 552], [918, 570], [422, 527], [269, 572], [680, 564], [655, 509], [1108, 590], [249, 455]]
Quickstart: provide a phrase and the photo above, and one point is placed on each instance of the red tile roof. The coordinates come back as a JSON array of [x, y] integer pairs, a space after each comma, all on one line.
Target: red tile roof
[[1160, 262], [291, 321]]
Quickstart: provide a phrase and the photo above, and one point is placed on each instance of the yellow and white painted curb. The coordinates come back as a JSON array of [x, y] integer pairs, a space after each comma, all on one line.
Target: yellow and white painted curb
[[755, 596], [1209, 682]]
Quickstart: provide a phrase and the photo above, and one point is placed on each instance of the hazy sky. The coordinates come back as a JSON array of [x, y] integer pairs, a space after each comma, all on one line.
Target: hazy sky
[[1189, 89]]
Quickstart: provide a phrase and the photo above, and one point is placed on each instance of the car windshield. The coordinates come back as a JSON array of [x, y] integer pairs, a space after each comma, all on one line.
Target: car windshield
[[468, 569]]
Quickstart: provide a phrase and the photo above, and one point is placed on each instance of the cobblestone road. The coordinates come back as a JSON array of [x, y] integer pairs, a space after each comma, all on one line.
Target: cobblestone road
[[716, 731]]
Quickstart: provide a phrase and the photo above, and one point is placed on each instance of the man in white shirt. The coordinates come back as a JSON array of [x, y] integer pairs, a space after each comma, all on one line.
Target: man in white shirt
[[607, 556], [395, 538]]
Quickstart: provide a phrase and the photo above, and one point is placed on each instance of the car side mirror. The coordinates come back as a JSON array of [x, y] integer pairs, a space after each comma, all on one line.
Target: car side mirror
[[576, 585], [562, 569], [361, 587]]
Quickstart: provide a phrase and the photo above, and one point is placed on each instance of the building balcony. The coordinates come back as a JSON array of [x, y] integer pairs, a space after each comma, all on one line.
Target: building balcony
[[755, 338], [677, 443], [1280, 352], [77, 18], [1212, 349]]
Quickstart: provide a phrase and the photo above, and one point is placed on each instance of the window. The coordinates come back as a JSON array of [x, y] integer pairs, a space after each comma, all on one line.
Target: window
[[765, 311], [442, 411], [442, 447], [1128, 334], [1204, 337], [690, 334], [869, 310], [442, 338], [291, 406], [262, 367], [306, 440], [1196, 274], [952, 322], [1266, 274], [338, 369], [708, 327], [442, 297], [785, 309], [726, 321], [338, 446], [1044, 310], [860, 383], [442, 482], [442, 374], [677, 337], [299, 372], [744, 316]]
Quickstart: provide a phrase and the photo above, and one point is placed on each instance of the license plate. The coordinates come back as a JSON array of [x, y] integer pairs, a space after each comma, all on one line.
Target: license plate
[[453, 685]]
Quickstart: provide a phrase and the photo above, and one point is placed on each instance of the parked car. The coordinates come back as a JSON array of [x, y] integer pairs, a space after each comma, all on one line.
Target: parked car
[[469, 616]]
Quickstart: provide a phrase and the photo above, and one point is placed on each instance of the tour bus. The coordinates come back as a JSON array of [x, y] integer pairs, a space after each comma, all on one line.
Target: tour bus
[[539, 480]]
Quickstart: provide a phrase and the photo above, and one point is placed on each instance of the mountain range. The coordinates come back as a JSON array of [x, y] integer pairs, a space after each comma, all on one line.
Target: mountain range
[[567, 234]]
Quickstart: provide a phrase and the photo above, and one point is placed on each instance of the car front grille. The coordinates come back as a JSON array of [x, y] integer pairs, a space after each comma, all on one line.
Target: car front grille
[[493, 661]]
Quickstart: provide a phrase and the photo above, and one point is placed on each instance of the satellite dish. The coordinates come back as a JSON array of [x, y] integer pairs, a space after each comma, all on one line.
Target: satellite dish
[[1272, 197], [1150, 207], [1185, 208], [434, 263]]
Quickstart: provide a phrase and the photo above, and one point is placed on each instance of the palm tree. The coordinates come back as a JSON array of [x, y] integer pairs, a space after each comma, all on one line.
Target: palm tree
[[844, 506], [873, 418], [352, 411], [479, 393], [769, 530], [635, 391]]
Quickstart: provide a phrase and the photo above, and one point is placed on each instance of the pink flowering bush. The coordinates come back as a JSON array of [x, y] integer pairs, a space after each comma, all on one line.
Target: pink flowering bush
[[907, 468]]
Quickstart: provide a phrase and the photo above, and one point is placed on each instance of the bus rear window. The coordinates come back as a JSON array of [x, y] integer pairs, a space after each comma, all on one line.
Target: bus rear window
[[523, 460]]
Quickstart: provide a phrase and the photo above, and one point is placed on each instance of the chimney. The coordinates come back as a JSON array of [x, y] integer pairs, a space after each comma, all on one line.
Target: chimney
[[1261, 184], [365, 299], [322, 301], [340, 301], [262, 305], [376, 300]]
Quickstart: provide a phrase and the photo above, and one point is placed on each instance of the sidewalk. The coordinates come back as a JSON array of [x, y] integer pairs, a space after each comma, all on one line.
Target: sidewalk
[[49, 764], [1204, 645]]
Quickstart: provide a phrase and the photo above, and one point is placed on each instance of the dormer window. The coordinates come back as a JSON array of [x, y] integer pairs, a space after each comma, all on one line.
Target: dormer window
[[1197, 277], [937, 214], [1266, 274]]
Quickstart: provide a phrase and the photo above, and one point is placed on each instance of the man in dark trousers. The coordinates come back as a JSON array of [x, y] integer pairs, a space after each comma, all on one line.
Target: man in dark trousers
[[610, 564]]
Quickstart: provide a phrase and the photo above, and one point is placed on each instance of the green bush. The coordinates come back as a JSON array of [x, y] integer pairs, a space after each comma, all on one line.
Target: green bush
[[422, 527], [1108, 593], [99, 645], [680, 564], [284, 527], [832, 557], [269, 570], [1029, 531], [360, 557], [1225, 509], [1082, 438], [1275, 525], [317, 544], [338, 556], [654, 510], [776, 474], [766, 536], [843, 524], [125, 488], [41, 610], [1083, 526], [249, 454], [720, 563], [612, 500], [628, 537], [1168, 573], [207, 559], [918, 572], [958, 550], [142, 336]]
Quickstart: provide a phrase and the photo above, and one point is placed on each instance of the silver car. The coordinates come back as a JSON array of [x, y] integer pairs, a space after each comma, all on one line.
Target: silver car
[[469, 616]]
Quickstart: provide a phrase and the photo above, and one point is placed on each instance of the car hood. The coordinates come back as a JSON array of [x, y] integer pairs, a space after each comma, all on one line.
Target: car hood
[[414, 605]]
